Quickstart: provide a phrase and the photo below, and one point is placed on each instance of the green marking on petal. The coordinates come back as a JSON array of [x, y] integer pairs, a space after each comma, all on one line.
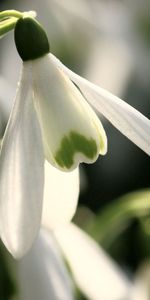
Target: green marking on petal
[[72, 144]]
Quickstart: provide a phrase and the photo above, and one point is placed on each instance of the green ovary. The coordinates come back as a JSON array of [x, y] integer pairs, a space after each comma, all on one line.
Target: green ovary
[[72, 144]]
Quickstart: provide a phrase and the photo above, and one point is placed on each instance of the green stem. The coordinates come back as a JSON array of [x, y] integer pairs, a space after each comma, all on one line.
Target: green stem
[[10, 13], [8, 19], [7, 25]]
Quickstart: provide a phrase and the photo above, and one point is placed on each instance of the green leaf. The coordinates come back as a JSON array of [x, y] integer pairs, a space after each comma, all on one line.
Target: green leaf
[[115, 217]]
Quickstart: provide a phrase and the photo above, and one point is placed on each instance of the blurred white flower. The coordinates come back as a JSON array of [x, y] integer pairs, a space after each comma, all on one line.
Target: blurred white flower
[[42, 274], [93, 270]]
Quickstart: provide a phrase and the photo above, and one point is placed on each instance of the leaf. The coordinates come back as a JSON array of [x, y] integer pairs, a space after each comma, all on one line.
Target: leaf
[[115, 217]]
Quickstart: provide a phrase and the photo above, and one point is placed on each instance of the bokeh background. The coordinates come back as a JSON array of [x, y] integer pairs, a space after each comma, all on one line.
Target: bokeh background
[[108, 42]]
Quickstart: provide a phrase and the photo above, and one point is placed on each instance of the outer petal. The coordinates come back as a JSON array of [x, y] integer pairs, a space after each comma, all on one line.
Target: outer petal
[[94, 272], [141, 283], [123, 116], [60, 196], [42, 273], [72, 133], [21, 172]]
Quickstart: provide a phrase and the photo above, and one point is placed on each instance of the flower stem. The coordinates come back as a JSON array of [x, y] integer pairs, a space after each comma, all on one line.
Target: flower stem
[[8, 19], [7, 25], [10, 13]]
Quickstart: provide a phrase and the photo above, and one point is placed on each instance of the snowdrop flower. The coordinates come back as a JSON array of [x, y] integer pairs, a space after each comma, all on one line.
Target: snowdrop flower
[[51, 120], [42, 274]]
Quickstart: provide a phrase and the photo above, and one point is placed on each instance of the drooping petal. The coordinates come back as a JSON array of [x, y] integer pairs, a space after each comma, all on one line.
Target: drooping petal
[[61, 193], [72, 133], [95, 273], [141, 283], [21, 172], [123, 116], [42, 274]]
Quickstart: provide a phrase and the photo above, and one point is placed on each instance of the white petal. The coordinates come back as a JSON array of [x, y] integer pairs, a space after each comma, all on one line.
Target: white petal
[[141, 286], [72, 133], [61, 193], [21, 172], [42, 274], [123, 116], [95, 273]]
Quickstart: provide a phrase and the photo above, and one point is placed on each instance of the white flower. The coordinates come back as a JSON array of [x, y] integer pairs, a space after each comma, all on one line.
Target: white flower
[[51, 119], [42, 274]]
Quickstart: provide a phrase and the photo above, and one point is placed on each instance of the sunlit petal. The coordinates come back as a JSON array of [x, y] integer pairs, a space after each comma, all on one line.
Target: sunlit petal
[[21, 172], [42, 274], [72, 132], [95, 273], [60, 196], [123, 116]]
